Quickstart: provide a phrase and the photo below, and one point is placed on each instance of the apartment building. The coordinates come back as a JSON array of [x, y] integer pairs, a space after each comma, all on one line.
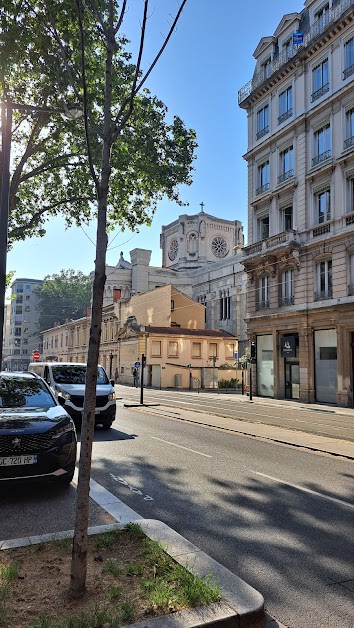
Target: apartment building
[[21, 333], [300, 253]]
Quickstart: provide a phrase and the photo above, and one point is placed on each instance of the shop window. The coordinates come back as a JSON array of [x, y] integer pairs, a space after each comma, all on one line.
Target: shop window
[[326, 365]]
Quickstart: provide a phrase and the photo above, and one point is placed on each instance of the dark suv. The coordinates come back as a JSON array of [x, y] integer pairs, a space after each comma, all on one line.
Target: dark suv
[[37, 436]]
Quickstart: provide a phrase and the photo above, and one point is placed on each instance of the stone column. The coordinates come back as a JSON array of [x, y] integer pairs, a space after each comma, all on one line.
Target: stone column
[[140, 259]]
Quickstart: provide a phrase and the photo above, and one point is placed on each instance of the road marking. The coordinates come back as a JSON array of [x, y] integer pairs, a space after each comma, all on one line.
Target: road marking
[[306, 490], [135, 490], [180, 447]]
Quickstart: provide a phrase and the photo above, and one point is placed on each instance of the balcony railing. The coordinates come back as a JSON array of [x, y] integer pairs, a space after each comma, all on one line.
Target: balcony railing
[[262, 132], [309, 36], [283, 301], [349, 220], [279, 240], [319, 92], [284, 116], [323, 295], [262, 305], [322, 157], [262, 188], [285, 176], [317, 231], [349, 142], [348, 71]]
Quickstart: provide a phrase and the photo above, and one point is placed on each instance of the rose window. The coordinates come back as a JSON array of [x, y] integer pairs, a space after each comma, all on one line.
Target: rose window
[[172, 254], [219, 247]]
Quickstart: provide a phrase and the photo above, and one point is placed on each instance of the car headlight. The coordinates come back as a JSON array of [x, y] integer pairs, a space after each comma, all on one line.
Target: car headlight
[[111, 396], [64, 395], [63, 429]]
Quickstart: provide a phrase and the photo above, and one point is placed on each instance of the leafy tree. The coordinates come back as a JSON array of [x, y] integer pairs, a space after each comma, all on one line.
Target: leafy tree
[[63, 296], [134, 156]]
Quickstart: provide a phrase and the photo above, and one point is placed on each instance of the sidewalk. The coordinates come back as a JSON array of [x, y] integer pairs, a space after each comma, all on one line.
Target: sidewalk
[[282, 435]]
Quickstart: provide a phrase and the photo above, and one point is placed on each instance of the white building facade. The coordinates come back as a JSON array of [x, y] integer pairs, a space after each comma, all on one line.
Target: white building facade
[[300, 254]]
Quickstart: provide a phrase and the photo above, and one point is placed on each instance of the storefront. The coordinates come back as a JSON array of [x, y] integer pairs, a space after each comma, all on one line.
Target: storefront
[[265, 366], [326, 378], [289, 351]]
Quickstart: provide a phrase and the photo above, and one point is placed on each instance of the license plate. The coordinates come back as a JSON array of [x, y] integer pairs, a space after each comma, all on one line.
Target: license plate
[[10, 461]]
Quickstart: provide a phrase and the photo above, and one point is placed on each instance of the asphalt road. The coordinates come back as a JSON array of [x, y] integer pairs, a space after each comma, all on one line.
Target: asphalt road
[[279, 517], [295, 416]]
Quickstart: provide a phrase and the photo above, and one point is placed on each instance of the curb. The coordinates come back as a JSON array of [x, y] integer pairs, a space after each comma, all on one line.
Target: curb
[[241, 605]]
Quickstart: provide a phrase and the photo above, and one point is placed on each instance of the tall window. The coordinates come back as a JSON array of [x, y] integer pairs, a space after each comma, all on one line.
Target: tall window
[[173, 349], [286, 167], [350, 195], [351, 275], [285, 104], [349, 132], [320, 80], [322, 17], [288, 47], [263, 178], [263, 293], [196, 349], [323, 203], [287, 287], [287, 218], [266, 67], [322, 144], [324, 280], [348, 58], [262, 122], [213, 350], [263, 227], [225, 305]]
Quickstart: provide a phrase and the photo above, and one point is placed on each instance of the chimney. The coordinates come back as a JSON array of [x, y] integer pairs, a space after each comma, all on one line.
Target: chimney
[[116, 294], [88, 312]]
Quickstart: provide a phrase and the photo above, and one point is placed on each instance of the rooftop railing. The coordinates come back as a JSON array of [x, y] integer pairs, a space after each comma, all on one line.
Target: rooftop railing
[[285, 55]]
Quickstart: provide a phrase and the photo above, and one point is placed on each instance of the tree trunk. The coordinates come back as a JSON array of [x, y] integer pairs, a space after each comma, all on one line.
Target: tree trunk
[[80, 541]]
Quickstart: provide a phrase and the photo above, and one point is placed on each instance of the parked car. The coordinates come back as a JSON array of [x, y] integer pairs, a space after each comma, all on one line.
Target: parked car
[[67, 381], [37, 436]]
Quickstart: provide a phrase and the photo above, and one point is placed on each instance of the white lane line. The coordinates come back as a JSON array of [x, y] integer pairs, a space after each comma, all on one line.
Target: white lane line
[[306, 490], [180, 447]]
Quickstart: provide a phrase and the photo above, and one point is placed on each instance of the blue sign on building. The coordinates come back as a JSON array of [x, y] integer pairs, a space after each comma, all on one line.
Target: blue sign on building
[[298, 38]]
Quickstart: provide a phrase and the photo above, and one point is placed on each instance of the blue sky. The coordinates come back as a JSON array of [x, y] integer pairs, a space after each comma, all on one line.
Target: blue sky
[[207, 60]]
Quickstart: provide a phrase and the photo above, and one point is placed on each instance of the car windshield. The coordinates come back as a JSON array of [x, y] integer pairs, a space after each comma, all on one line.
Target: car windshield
[[65, 374], [24, 393]]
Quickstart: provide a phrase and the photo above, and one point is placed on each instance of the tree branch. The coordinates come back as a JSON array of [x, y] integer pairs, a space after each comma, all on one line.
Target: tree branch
[[56, 162]]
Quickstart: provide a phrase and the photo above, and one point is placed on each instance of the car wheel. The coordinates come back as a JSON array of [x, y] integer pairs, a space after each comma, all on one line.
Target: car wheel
[[106, 425], [66, 479]]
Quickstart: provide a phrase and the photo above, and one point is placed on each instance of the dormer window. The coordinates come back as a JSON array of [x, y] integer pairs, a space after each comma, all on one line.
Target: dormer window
[[322, 17], [266, 67]]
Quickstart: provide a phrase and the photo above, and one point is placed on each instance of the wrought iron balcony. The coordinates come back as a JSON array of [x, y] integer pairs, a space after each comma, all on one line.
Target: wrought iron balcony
[[319, 92], [262, 132], [322, 157], [284, 116], [348, 71], [349, 141], [263, 188], [286, 175], [310, 35], [262, 305], [323, 295], [283, 301]]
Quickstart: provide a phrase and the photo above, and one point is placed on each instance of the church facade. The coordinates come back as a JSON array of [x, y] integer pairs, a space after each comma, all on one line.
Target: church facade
[[201, 257]]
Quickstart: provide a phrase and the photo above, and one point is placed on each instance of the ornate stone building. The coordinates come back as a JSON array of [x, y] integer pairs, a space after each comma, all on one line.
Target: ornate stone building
[[300, 254], [201, 257]]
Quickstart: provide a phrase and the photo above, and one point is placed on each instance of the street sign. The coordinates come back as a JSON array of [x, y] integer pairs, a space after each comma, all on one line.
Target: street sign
[[36, 355], [136, 365], [298, 39], [235, 355]]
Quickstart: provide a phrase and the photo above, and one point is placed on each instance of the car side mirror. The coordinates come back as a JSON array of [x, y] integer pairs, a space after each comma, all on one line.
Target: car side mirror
[[61, 400], [112, 382]]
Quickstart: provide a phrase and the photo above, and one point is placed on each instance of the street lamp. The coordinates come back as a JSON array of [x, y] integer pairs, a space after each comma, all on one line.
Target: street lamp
[[6, 120]]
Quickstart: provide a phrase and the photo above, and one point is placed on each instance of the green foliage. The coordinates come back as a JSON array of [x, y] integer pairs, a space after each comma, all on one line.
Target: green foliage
[[40, 65], [63, 296], [229, 383], [112, 568]]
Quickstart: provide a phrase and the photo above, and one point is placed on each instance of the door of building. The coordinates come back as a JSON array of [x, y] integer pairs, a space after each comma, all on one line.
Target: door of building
[[352, 369], [292, 380]]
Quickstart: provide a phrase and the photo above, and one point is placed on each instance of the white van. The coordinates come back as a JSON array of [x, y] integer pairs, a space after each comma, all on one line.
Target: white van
[[67, 381]]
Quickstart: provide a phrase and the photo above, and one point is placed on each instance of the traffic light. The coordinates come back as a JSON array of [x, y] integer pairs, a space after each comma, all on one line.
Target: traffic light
[[253, 350]]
